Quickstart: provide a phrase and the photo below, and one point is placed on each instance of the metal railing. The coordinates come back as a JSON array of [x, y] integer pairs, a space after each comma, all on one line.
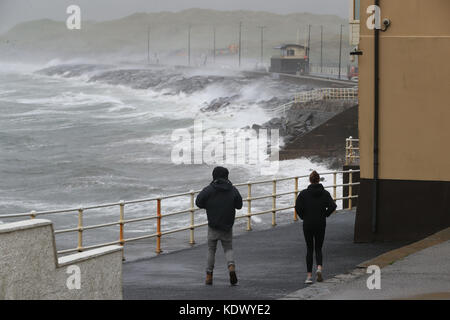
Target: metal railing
[[351, 151], [325, 70], [327, 94], [282, 109], [317, 95], [158, 215]]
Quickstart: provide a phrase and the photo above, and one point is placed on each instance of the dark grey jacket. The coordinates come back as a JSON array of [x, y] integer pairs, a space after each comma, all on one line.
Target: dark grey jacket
[[220, 199]]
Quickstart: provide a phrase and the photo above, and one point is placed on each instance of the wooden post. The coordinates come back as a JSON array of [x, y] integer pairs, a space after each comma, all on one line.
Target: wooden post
[[158, 226], [192, 240], [121, 218], [334, 185], [295, 198], [274, 203], [80, 230], [249, 207], [350, 191]]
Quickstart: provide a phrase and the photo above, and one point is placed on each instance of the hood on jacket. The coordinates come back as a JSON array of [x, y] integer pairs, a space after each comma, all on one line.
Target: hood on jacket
[[222, 184], [220, 172], [316, 189]]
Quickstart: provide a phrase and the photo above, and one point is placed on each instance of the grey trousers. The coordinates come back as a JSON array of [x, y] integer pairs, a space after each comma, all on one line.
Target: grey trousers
[[226, 238]]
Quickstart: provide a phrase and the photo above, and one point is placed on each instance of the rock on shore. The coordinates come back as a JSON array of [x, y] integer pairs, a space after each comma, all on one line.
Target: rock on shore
[[316, 130]]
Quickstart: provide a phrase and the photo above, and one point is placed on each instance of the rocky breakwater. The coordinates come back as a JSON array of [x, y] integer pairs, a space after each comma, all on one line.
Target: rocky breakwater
[[316, 130]]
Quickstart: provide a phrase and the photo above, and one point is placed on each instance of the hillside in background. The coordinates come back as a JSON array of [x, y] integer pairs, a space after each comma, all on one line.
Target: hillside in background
[[126, 39]]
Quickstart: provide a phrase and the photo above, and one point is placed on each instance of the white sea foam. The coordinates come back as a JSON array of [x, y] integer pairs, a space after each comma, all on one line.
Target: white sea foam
[[18, 67], [121, 108], [6, 92], [71, 99]]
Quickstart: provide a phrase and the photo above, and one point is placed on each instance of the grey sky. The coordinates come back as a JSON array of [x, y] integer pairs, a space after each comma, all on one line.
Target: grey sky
[[15, 11]]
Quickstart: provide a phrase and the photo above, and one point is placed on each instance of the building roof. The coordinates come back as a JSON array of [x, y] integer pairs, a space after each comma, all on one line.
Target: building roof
[[284, 46]]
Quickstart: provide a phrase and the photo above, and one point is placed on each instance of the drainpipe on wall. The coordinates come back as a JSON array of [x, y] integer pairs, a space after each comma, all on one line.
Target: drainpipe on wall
[[375, 127]]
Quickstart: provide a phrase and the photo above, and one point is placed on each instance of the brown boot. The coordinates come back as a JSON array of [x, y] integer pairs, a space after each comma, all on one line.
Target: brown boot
[[209, 278], [233, 277]]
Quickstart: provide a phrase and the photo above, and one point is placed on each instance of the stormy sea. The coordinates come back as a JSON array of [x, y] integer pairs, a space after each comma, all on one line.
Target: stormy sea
[[78, 134]]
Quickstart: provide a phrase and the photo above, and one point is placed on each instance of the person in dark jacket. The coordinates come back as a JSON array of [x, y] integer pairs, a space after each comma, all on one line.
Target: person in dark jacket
[[313, 206], [220, 199]]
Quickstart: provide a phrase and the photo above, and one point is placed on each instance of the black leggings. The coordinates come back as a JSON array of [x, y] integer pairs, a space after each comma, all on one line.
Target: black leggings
[[314, 236]]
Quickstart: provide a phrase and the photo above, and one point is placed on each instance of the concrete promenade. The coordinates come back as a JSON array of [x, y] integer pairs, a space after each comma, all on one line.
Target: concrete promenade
[[422, 275], [417, 271], [270, 264]]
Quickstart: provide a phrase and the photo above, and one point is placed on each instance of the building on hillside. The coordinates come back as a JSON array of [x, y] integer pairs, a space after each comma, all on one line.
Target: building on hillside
[[404, 114], [231, 50], [293, 59]]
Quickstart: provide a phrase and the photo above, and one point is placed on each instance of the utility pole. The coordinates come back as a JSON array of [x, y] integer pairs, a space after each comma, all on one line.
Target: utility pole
[[189, 45], [321, 49], [340, 51], [262, 43], [148, 45], [240, 42], [214, 44], [309, 38], [309, 45]]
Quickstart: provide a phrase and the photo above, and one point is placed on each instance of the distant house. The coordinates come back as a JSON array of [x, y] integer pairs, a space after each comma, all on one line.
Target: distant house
[[231, 50], [293, 59]]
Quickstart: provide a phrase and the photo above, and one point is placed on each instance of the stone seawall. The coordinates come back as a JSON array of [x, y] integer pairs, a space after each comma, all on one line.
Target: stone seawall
[[30, 269]]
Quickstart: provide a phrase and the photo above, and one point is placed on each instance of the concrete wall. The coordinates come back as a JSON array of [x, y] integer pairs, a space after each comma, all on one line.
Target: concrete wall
[[354, 22], [30, 269], [413, 187], [414, 96]]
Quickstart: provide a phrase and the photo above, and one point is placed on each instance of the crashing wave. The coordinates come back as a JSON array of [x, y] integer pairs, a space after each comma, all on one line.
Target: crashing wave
[[216, 91]]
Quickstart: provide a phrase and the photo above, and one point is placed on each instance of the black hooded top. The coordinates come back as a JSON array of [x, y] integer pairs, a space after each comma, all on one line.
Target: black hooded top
[[220, 199], [314, 205]]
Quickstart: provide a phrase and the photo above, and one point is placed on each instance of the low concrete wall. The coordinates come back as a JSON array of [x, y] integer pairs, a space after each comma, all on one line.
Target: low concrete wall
[[30, 269]]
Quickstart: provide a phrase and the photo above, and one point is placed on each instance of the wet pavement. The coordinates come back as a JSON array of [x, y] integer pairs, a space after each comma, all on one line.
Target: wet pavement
[[270, 264]]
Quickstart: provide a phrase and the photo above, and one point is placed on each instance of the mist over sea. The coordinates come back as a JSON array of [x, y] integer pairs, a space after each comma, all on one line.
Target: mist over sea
[[80, 134]]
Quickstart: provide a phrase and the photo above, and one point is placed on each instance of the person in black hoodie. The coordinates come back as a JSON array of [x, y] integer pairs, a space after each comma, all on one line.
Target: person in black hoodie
[[220, 199], [313, 206]]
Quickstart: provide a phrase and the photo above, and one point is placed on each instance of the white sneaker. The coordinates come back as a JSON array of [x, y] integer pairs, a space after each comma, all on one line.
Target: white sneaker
[[319, 275], [308, 280]]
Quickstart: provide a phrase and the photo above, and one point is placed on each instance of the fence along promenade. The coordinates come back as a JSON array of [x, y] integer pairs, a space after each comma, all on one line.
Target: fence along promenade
[[345, 94], [351, 151], [192, 210], [327, 94]]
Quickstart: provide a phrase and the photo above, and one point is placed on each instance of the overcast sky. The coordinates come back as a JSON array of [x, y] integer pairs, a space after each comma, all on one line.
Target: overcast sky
[[15, 11]]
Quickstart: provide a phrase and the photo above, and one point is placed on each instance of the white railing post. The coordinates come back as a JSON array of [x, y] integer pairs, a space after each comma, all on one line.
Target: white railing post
[[121, 218], [80, 229], [192, 240], [351, 149], [121, 224], [249, 206], [346, 151], [158, 226], [350, 190], [274, 202], [295, 198], [334, 185]]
